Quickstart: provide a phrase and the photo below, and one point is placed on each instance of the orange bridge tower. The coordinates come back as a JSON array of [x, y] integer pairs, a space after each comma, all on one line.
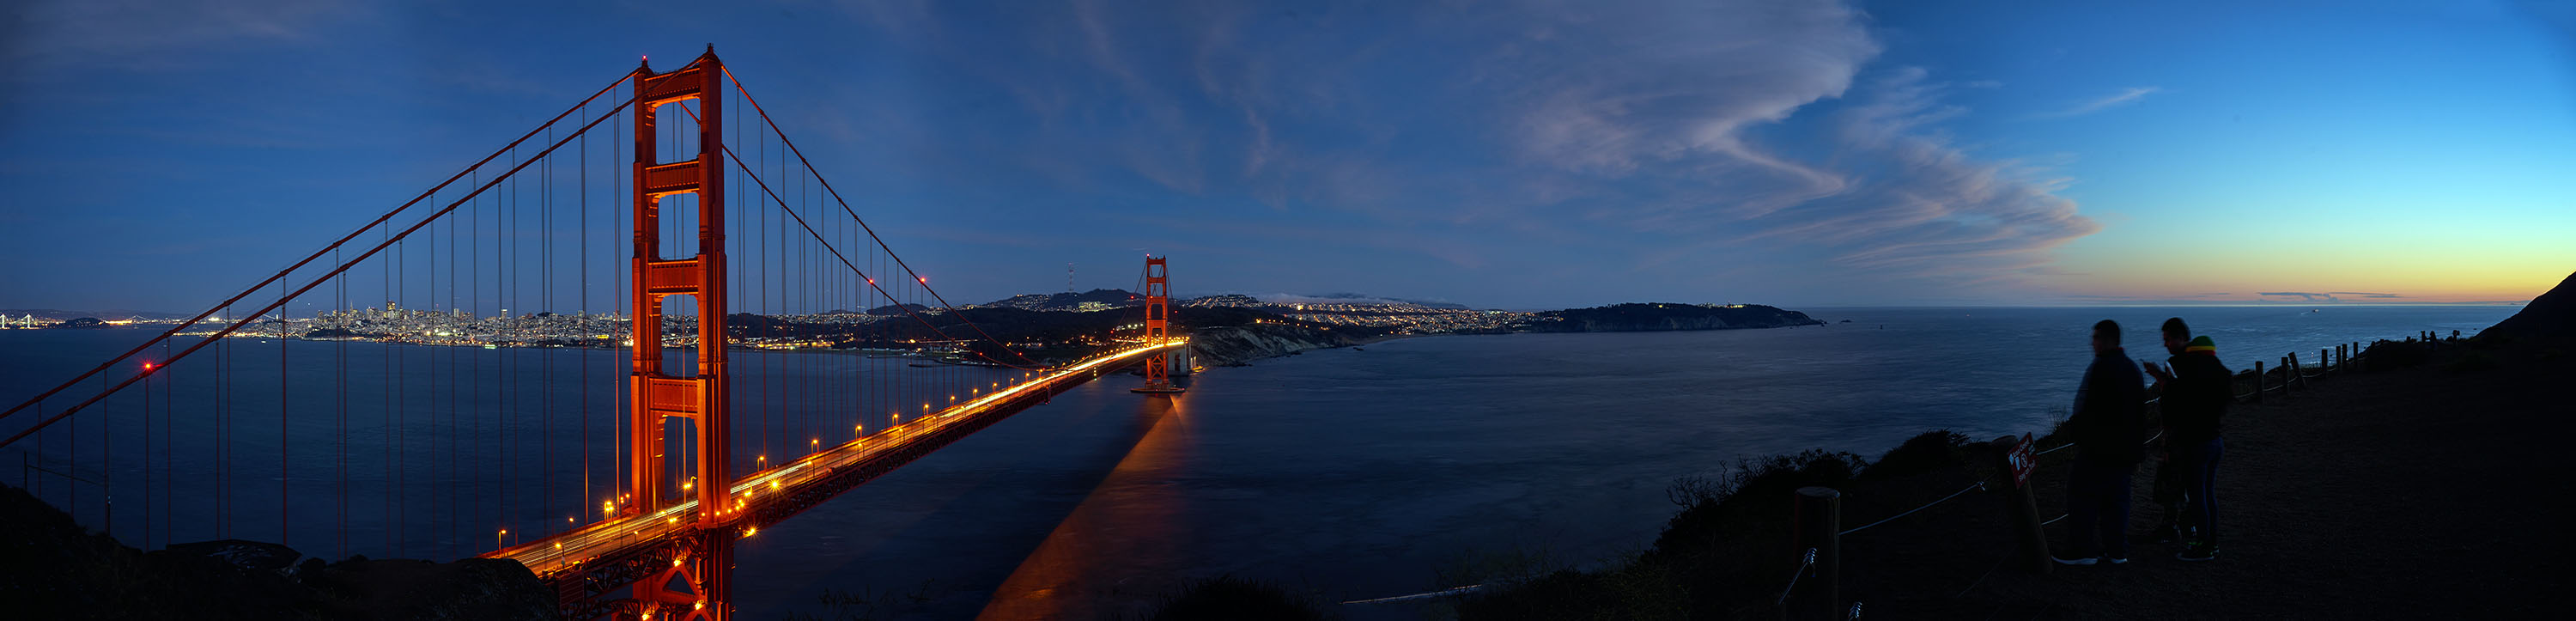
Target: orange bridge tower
[[701, 397], [1158, 316]]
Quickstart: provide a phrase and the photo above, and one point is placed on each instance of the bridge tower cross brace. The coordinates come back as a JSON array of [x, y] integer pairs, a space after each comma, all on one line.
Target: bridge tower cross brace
[[702, 398]]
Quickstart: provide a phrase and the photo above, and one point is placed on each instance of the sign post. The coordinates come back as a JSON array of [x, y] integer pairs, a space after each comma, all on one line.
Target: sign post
[[2021, 460], [2016, 458]]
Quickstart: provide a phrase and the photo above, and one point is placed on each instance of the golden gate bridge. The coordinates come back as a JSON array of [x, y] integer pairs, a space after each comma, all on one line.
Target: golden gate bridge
[[637, 520]]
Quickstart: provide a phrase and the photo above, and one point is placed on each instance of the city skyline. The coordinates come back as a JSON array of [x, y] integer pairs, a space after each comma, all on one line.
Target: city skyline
[[1499, 156]]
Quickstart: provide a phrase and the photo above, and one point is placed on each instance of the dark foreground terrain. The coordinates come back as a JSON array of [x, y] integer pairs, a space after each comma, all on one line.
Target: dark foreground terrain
[[51, 568]]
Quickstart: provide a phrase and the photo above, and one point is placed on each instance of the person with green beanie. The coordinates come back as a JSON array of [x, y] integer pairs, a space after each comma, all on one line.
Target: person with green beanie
[[2195, 389]]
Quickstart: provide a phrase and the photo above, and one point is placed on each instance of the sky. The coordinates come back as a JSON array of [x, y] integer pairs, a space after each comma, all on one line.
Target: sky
[[160, 156]]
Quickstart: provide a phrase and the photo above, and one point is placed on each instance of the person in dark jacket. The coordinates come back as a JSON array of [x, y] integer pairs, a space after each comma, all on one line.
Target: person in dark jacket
[[2196, 389], [2109, 429]]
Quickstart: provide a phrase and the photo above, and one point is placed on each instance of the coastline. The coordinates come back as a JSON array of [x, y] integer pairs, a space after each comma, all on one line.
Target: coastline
[[1256, 342]]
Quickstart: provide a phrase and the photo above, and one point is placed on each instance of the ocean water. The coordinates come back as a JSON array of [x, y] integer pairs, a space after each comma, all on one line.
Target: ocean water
[[1351, 473]]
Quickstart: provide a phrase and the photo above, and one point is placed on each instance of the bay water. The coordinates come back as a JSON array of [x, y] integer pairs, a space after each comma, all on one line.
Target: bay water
[[1347, 473]]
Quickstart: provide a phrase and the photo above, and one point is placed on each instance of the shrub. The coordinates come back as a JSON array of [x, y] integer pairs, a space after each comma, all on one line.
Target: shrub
[[1934, 450]]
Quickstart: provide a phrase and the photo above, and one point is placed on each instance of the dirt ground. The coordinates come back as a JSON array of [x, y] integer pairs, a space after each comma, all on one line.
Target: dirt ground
[[2420, 493]]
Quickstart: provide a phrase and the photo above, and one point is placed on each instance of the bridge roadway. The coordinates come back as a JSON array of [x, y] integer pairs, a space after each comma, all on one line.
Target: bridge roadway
[[774, 494]]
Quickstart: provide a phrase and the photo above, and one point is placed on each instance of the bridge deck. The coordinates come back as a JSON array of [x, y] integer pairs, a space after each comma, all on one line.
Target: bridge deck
[[768, 496]]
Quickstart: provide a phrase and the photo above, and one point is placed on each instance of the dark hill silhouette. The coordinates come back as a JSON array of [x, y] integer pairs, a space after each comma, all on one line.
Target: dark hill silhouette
[[1067, 300], [2546, 320]]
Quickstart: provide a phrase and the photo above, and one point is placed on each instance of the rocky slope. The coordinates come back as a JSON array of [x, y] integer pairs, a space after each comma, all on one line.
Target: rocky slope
[[1238, 345]]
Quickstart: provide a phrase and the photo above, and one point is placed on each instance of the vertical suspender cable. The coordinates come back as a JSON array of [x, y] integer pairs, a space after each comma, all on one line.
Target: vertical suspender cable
[[430, 365], [617, 398], [545, 357], [581, 254], [147, 459], [340, 370], [392, 433], [224, 376], [167, 495], [509, 377], [768, 323], [282, 475], [106, 465], [474, 424], [462, 340]]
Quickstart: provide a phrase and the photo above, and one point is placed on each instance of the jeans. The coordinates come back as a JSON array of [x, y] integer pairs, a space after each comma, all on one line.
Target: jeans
[[2097, 508], [2198, 465]]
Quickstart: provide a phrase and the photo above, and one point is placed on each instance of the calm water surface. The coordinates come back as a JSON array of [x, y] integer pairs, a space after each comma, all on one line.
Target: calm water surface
[[1352, 473]]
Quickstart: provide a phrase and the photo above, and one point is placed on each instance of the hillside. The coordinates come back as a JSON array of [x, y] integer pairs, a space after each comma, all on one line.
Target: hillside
[[1096, 299], [1637, 317], [2548, 321]]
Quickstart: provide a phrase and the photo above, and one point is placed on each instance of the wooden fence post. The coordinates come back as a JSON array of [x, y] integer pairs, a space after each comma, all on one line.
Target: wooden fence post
[[2023, 507], [2325, 360], [1819, 527], [2258, 381]]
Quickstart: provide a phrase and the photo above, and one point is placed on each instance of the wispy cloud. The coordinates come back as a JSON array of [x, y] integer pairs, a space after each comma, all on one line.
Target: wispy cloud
[[1677, 137], [2124, 97], [2329, 296], [2186, 299], [143, 36]]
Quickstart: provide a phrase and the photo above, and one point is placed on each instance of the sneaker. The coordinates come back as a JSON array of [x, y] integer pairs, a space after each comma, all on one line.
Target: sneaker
[[2071, 561], [2115, 560], [2197, 552]]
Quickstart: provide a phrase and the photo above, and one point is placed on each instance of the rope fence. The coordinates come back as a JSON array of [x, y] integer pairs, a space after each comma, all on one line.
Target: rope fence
[[1979, 486], [1801, 572], [1421, 596]]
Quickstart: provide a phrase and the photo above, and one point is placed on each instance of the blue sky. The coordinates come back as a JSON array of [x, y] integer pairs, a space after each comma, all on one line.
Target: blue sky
[[1497, 154]]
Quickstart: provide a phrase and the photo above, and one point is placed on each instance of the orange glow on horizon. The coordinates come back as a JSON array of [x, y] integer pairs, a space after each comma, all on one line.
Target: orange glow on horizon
[[2207, 280]]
